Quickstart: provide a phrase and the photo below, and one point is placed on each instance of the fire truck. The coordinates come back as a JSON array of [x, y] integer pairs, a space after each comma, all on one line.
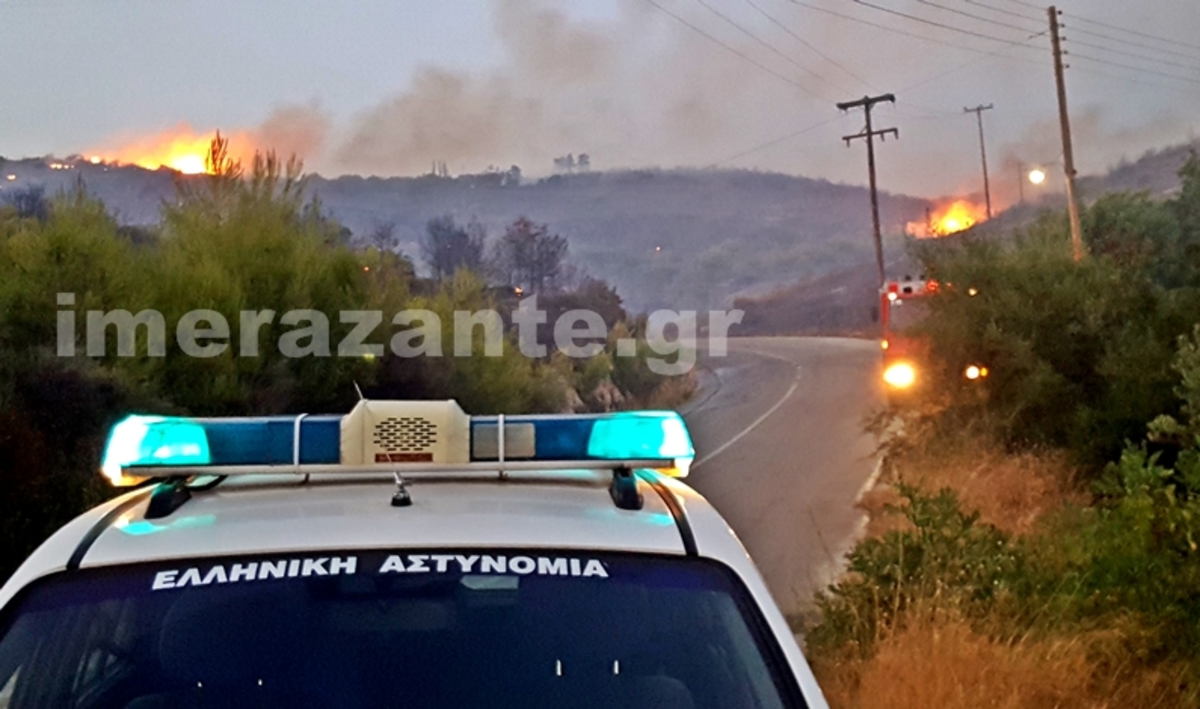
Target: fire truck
[[903, 304]]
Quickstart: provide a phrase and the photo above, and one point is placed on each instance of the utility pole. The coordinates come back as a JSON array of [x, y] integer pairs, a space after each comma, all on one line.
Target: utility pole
[[867, 103], [987, 190], [1020, 183], [1068, 151]]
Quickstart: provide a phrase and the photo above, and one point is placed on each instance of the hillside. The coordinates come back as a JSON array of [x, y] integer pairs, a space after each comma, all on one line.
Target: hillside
[[680, 239], [843, 301]]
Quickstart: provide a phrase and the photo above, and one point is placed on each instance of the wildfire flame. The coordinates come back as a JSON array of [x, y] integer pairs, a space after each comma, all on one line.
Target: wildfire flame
[[950, 218], [182, 149]]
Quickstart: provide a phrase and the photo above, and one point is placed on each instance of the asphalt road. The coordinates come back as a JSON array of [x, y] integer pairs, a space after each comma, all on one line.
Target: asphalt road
[[780, 452]]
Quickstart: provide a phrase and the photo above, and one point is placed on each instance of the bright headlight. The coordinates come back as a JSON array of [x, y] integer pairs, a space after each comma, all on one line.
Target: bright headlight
[[975, 372], [900, 375]]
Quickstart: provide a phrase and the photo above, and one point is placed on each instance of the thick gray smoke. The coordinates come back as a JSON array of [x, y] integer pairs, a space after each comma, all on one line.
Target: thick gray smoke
[[302, 131], [637, 88], [604, 88]]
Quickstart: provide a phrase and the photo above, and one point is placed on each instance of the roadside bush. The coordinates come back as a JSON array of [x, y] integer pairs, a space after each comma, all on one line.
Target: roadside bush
[[1138, 549], [1079, 354], [946, 559]]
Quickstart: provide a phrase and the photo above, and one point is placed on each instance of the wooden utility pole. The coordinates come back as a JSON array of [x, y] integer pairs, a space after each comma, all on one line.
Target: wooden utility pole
[[1068, 151], [867, 103], [1020, 183], [987, 190]]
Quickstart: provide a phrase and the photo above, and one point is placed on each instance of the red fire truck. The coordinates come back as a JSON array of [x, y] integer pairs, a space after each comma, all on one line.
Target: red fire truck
[[903, 304]]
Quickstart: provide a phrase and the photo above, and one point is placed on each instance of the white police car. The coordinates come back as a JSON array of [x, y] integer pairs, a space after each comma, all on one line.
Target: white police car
[[405, 555]]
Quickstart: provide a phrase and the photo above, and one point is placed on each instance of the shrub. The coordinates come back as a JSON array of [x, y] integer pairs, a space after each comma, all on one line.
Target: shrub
[[945, 559]]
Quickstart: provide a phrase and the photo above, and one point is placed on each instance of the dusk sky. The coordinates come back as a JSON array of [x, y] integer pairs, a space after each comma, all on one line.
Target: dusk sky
[[375, 87]]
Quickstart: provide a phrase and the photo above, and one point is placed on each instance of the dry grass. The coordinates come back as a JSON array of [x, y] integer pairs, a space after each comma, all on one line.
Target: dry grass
[[939, 662], [1011, 492]]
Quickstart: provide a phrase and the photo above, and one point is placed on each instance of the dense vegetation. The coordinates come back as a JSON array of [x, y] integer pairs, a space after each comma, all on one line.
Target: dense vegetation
[[1094, 364], [720, 231], [234, 242]]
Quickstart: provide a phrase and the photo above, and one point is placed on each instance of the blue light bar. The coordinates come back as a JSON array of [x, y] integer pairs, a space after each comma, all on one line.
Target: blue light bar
[[271, 440], [139, 444], [157, 446], [154, 441], [631, 435]]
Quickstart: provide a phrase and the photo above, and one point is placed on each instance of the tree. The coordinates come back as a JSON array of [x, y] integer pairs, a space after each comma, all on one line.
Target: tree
[[383, 236], [530, 257], [30, 202], [447, 247]]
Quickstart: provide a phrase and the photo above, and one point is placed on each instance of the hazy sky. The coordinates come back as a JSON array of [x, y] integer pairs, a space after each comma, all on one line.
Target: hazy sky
[[387, 87]]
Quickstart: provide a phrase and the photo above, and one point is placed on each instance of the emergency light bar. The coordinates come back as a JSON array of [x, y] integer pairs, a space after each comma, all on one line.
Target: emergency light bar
[[409, 437]]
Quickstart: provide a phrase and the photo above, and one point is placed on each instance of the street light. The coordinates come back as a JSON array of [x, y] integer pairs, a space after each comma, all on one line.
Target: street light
[[1037, 176]]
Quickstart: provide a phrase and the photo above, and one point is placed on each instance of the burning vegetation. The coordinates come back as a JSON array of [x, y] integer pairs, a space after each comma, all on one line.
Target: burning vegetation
[[181, 149], [948, 218]]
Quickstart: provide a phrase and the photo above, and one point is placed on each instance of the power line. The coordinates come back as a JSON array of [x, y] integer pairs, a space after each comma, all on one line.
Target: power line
[[1137, 81], [1131, 43], [1135, 68], [933, 23], [973, 16], [772, 143], [1145, 35], [1143, 57], [734, 51], [763, 42], [1118, 28], [976, 60], [886, 28], [805, 42], [1002, 11]]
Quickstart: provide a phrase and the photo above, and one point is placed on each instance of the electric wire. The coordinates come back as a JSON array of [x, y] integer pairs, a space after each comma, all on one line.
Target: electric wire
[[1002, 11], [1140, 45], [1118, 28], [763, 42], [772, 143], [736, 52], [886, 28], [1134, 55], [806, 43], [973, 16], [932, 23], [1144, 35], [1143, 70]]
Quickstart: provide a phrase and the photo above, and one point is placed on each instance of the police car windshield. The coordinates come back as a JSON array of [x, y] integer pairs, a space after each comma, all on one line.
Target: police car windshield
[[439, 629]]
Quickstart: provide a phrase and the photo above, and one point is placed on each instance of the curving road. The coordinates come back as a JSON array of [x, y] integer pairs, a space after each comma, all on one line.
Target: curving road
[[780, 451]]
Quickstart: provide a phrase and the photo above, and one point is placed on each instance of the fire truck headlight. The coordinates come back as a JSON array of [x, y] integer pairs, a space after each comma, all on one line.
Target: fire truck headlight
[[900, 375], [975, 372]]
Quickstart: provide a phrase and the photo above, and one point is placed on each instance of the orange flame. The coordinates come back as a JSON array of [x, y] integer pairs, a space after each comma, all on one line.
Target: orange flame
[[950, 218], [181, 149]]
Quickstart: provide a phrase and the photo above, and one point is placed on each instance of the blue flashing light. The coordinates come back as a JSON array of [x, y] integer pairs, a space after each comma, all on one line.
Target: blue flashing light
[[146, 446], [641, 434], [634, 435], [158, 441], [146, 441]]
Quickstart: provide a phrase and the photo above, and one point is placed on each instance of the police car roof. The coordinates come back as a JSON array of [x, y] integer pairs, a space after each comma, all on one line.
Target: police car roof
[[267, 515]]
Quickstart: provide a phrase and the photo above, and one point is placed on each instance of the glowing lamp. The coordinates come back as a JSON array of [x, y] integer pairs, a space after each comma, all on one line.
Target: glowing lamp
[[900, 375], [153, 441], [646, 435]]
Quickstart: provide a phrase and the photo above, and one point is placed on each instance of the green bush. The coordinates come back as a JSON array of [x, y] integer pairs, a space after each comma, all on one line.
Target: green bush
[[946, 559], [1079, 354]]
